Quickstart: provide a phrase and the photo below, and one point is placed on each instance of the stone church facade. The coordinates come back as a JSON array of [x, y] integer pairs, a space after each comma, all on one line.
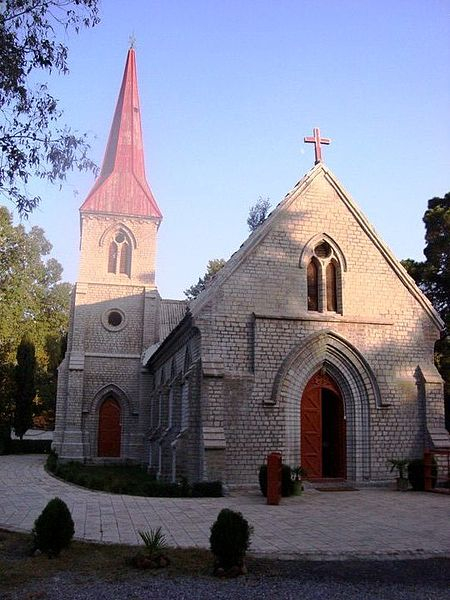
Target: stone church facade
[[312, 339]]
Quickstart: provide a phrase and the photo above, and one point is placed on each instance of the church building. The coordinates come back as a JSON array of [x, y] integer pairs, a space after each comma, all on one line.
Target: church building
[[312, 340]]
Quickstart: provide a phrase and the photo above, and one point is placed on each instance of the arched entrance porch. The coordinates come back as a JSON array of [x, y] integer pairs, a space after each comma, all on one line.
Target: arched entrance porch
[[332, 354], [322, 429]]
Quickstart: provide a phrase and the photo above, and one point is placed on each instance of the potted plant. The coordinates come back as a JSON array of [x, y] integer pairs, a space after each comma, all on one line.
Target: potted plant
[[296, 477], [401, 466]]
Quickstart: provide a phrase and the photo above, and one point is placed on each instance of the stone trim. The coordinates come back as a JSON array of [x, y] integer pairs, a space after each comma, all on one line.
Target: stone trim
[[112, 355], [327, 350], [76, 361], [214, 438], [113, 227], [326, 318], [308, 250]]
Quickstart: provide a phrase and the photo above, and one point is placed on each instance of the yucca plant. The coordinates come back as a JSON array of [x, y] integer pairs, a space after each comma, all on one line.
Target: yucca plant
[[154, 540]]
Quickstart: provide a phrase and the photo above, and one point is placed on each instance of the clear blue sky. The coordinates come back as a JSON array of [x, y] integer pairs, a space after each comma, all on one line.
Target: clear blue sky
[[228, 91]]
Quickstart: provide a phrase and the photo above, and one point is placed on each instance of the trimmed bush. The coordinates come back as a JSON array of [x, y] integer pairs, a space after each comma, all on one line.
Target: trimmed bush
[[286, 481], [230, 539], [53, 530], [5, 438], [29, 446], [416, 474], [207, 489]]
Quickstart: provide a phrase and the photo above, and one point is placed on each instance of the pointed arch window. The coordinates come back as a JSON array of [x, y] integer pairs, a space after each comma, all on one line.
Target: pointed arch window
[[324, 279], [331, 283], [313, 284], [119, 253]]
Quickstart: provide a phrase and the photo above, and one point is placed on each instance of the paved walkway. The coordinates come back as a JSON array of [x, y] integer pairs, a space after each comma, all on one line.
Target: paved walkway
[[369, 522]]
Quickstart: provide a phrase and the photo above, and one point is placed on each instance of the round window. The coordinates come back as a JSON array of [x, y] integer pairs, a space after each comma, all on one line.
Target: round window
[[120, 237], [114, 318], [323, 250]]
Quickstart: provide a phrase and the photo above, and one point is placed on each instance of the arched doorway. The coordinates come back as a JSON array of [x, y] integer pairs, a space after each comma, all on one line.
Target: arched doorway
[[322, 427], [109, 428]]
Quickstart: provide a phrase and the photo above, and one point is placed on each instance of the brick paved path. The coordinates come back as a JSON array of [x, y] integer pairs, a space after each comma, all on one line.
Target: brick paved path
[[362, 523]]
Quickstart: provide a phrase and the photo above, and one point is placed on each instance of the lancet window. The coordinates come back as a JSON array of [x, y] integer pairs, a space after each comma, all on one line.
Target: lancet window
[[119, 254], [324, 279]]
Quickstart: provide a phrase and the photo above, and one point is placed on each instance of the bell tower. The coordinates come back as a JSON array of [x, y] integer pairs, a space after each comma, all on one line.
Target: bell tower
[[101, 409]]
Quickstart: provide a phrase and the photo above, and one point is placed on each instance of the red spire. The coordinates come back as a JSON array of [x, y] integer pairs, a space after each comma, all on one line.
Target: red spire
[[122, 188]]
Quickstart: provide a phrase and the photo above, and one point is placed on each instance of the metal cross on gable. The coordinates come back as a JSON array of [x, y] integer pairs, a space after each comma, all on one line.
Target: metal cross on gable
[[317, 141]]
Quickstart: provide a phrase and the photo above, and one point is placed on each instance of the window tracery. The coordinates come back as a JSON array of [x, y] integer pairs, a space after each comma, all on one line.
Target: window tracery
[[119, 253], [324, 278]]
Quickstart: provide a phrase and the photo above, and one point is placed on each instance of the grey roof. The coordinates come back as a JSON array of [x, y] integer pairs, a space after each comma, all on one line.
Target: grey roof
[[172, 311]]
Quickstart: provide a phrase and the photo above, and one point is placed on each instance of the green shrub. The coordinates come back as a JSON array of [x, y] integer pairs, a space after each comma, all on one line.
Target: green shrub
[[52, 461], [286, 481], [207, 489], [154, 540], [5, 438], [53, 529], [230, 539], [416, 474], [29, 446]]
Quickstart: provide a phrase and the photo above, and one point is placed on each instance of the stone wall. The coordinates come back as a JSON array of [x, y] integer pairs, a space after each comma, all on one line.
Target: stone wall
[[257, 315]]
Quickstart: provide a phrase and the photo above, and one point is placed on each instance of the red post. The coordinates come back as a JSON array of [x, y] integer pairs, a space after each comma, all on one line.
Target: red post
[[274, 478]]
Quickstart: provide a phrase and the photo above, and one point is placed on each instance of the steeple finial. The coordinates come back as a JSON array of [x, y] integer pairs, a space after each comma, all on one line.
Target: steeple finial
[[132, 41]]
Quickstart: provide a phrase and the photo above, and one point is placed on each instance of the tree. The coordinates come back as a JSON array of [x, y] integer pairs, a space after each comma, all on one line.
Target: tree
[[433, 277], [33, 141], [33, 300], [212, 268], [25, 388], [258, 213]]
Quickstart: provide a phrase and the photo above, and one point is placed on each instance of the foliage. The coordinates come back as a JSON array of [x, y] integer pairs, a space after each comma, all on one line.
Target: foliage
[[258, 213], [298, 472], [286, 480], [5, 438], [400, 464], [416, 474], [230, 538], [28, 447], [53, 530], [212, 268], [32, 139], [433, 277], [33, 300], [118, 479], [207, 489], [154, 540], [86, 561], [25, 389]]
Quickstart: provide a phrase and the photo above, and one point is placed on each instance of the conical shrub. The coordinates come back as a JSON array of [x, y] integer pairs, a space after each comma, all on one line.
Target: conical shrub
[[53, 529], [230, 538]]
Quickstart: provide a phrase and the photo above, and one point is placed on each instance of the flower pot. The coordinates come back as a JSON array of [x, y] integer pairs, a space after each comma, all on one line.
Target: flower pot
[[297, 488], [402, 484]]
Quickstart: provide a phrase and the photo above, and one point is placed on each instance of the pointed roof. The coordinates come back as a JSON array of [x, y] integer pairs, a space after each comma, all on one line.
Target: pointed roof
[[122, 188], [264, 229]]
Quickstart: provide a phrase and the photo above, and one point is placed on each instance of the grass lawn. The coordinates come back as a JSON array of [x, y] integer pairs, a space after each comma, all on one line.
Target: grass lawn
[[107, 561]]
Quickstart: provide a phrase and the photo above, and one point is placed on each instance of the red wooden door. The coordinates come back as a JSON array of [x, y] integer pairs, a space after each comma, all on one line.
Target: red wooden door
[[311, 431], [315, 442], [109, 429]]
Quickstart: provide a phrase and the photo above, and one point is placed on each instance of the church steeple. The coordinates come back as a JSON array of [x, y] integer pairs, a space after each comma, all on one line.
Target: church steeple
[[122, 188]]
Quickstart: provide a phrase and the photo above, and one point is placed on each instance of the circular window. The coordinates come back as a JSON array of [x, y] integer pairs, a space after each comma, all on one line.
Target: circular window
[[323, 250], [114, 319], [120, 237]]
